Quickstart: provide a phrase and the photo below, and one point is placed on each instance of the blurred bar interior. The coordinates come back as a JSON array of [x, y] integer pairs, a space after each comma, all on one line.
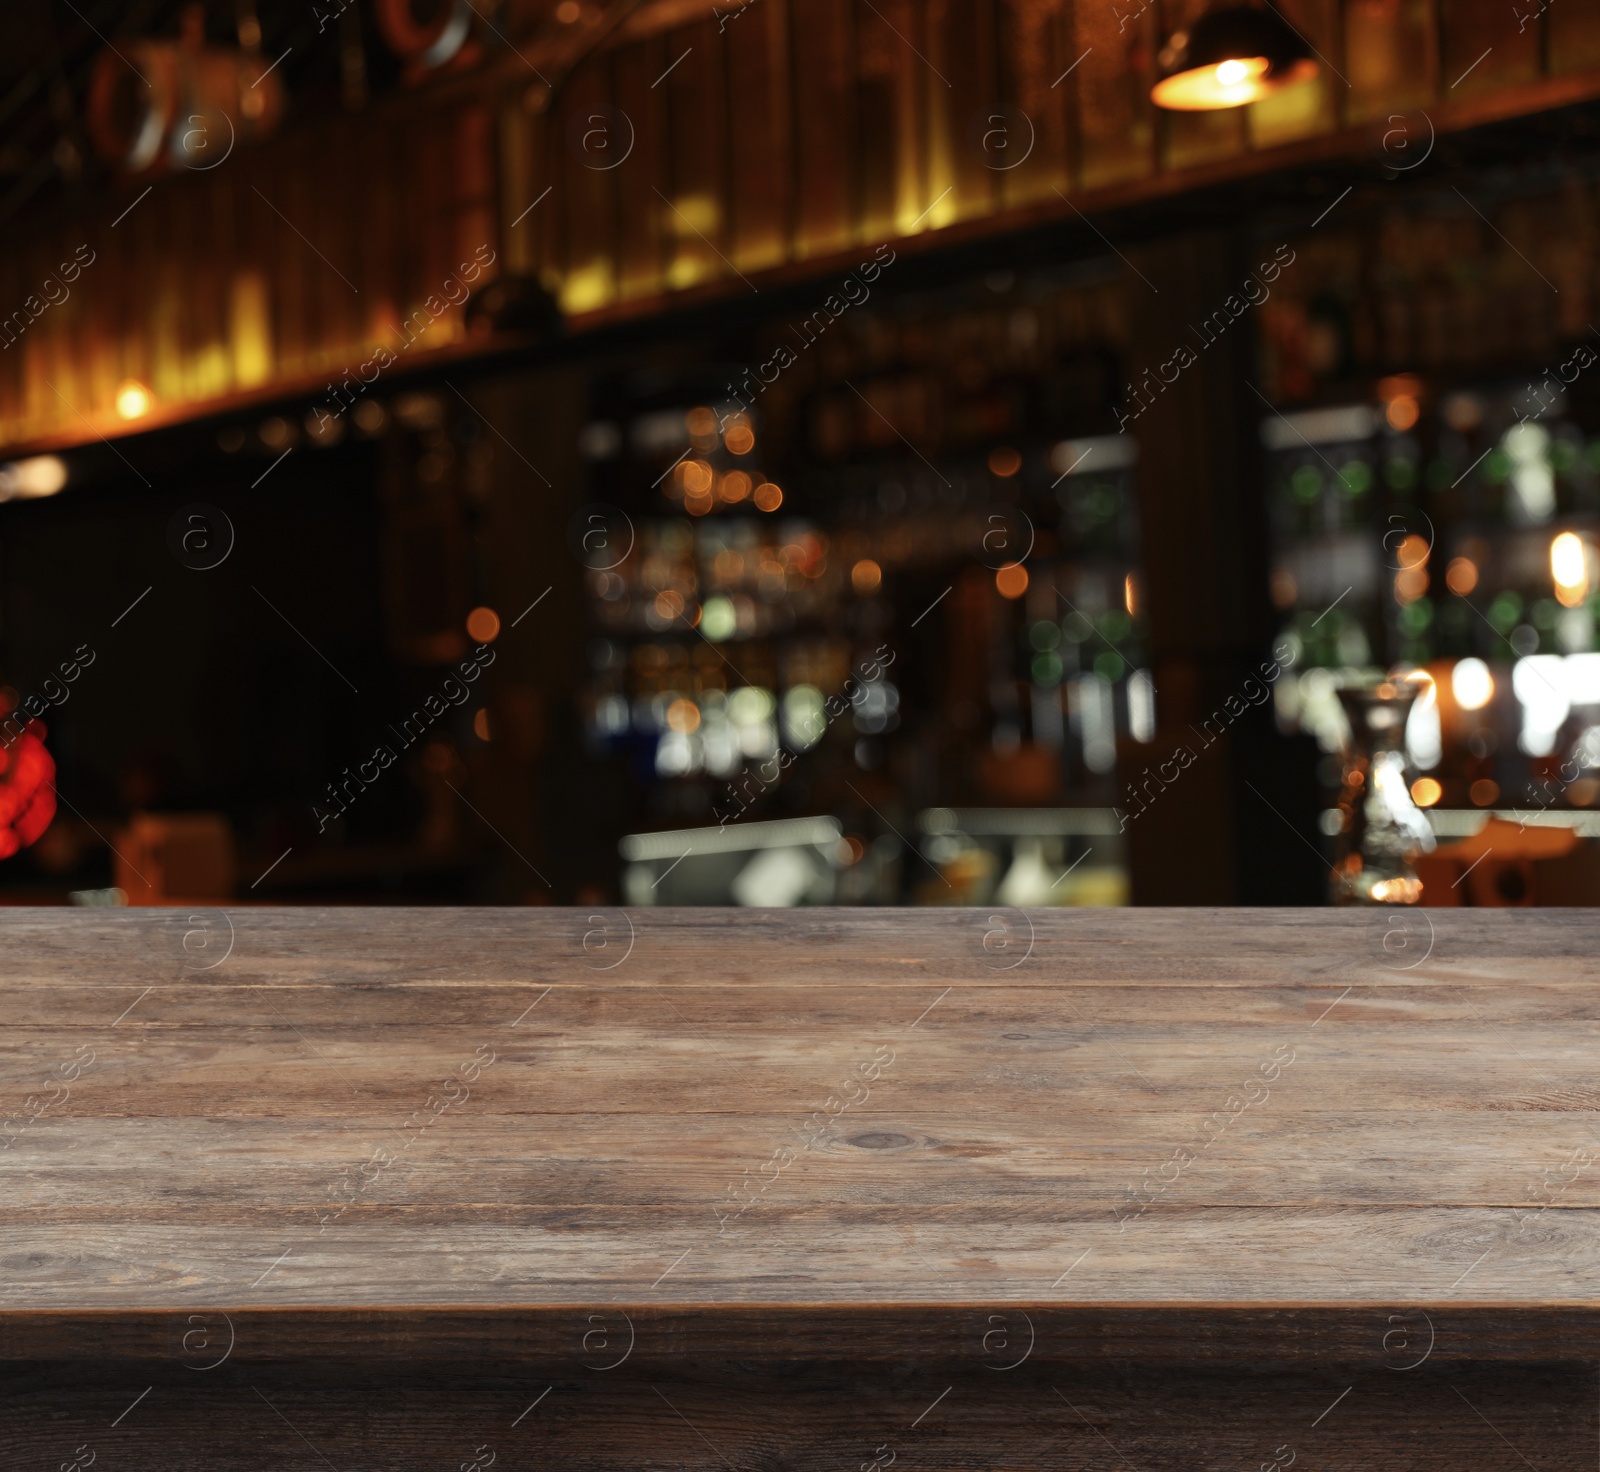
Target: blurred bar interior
[[776, 453]]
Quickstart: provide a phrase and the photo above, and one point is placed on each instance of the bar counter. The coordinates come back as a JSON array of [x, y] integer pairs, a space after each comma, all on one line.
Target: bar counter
[[799, 1189]]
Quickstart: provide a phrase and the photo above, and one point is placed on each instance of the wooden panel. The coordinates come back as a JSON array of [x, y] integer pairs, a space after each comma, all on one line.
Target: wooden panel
[[473, 211], [339, 234], [892, 82], [758, 134], [1391, 56], [644, 181], [523, 171], [13, 294], [291, 264], [596, 141], [791, 131], [429, 232], [1572, 34], [1034, 36], [695, 216], [1191, 138], [379, 251], [967, 133], [1114, 49], [1487, 46], [546, 223], [825, 126]]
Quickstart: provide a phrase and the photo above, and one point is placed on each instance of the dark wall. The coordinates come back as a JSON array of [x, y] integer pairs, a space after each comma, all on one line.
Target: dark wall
[[200, 692]]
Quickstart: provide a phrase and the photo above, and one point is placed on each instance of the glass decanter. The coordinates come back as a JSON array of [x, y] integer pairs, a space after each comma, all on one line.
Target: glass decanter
[[1381, 830]]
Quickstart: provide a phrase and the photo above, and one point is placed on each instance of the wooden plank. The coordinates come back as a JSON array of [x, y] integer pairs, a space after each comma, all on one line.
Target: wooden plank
[[800, 1254], [673, 1056], [900, 948]]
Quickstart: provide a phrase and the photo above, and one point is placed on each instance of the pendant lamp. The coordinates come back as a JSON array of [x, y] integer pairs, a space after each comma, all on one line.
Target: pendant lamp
[[1232, 55]]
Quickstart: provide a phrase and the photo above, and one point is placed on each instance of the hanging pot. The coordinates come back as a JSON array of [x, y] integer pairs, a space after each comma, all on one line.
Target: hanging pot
[[442, 39], [154, 103]]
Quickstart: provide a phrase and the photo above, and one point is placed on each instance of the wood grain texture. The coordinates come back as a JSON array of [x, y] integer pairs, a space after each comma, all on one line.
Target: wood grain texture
[[312, 1120]]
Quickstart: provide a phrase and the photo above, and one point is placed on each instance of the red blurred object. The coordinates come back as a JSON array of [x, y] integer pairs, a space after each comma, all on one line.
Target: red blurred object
[[27, 790]]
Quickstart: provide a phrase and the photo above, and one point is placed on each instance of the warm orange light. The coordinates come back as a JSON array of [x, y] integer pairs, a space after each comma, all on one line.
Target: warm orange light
[[1402, 412], [684, 716], [1403, 889], [1411, 584], [768, 497], [1230, 83], [133, 399], [1569, 568], [698, 505], [480, 725], [734, 486], [1462, 575], [1483, 792], [39, 475], [669, 604], [1004, 462], [1130, 595], [1426, 791], [695, 477], [740, 439], [1413, 553], [865, 576], [1012, 580], [483, 624], [702, 425]]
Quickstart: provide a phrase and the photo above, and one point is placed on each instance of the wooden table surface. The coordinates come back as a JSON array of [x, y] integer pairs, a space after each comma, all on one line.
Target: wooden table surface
[[492, 1108], [416, 1181]]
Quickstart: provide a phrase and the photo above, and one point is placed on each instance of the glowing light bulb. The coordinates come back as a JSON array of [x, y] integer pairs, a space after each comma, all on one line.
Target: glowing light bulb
[[1426, 792], [43, 475], [133, 399], [1231, 73], [1471, 684], [1012, 580], [1569, 568], [1462, 575]]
